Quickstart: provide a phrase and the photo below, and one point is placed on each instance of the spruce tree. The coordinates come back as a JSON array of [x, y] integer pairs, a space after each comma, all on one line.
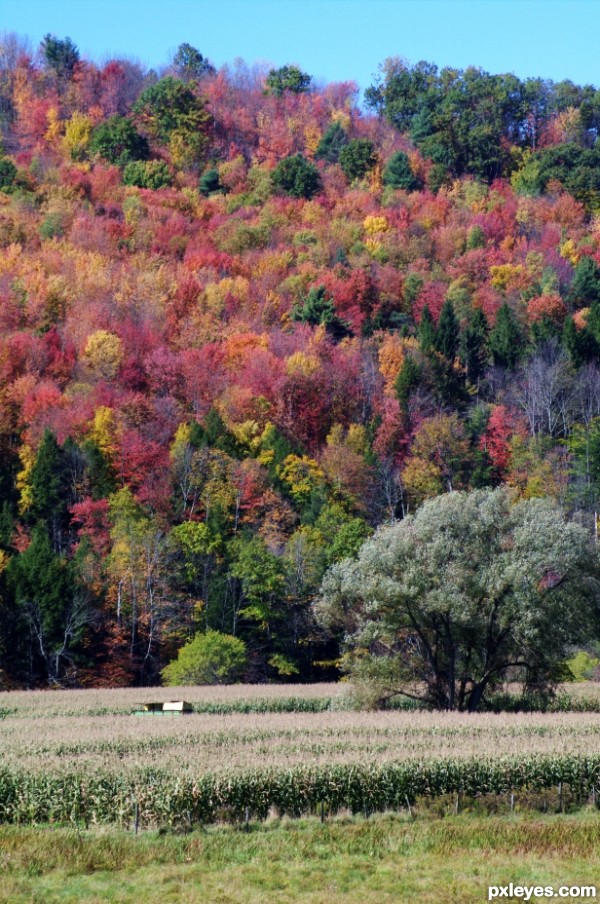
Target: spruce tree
[[427, 331], [448, 332], [506, 339], [331, 144], [99, 471], [318, 310], [398, 173], [474, 346], [42, 585], [585, 288], [407, 381], [49, 489], [582, 345]]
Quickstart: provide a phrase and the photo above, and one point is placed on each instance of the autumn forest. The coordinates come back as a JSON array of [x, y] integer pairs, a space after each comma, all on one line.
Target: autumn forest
[[246, 318]]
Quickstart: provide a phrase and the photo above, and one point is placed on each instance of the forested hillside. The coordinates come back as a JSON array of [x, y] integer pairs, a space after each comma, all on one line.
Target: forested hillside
[[245, 319]]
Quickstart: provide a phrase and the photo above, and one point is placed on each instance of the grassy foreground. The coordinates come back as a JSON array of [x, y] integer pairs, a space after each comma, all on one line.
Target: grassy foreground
[[383, 859]]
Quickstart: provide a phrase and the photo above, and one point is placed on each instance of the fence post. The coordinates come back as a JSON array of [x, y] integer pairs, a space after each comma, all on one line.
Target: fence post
[[136, 817], [560, 797]]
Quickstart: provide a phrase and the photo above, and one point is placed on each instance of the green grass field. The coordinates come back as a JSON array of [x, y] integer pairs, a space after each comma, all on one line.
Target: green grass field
[[378, 861]]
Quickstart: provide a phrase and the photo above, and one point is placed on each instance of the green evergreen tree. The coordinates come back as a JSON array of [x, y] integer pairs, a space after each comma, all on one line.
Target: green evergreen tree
[[272, 441], [214, 433], [398, 173], [317, 309], [545, 330], [297, 177], [475, 238], [209, 182], [262, 579], [49, 491], [474, 346], [506, 339], [438, 177], [332, 142], [118, 141], [8, 174], [412, 288], [168, 105], [189, 64], [427, 331], [287, 78], [448, 332], [357, 158], [582, 345], [585, 288], [43, 585], [7, 525], [409, 377], [100, 474], [61, 55]]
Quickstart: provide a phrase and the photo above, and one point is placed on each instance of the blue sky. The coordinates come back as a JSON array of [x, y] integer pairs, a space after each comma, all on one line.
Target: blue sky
[[334, 40]]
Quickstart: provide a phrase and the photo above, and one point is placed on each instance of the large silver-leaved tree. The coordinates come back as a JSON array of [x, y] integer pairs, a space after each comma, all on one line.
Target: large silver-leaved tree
[[472, 589]]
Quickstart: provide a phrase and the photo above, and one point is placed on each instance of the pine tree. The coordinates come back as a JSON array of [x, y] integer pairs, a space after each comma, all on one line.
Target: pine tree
[[99, 471], [407, 381], [317, 309], [398, 173], [331, 143], [49, 490], [474, 347], [427, 331], [506, 340], [43, 587], [585, 288], [448, 331]]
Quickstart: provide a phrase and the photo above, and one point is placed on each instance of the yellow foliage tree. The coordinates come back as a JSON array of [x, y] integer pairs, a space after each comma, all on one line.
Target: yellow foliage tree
[[569, 251], [312, 137], [392, 353], [78, 131], [508, 276], [301, 363], [27, 458], [302, 475], [55, 126], [440, 454], [375, 225], [104, 431], [103, 354]]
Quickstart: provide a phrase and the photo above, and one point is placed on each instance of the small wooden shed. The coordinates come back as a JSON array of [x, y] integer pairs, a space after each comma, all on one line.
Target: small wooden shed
[[177, 706], [169, 708]]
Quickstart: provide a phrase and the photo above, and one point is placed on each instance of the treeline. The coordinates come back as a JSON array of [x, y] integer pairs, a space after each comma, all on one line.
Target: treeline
[[242, 324]]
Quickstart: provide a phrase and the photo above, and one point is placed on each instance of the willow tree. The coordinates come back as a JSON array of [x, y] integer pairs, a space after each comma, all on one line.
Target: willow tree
[[472, 589]]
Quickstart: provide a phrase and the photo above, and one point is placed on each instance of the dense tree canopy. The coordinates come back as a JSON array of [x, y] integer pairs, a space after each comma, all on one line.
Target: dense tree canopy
[[244, 323]]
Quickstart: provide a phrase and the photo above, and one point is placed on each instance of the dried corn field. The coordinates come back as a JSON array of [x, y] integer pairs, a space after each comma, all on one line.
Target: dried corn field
[[201, 743], [97, 701], [54, 743]]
